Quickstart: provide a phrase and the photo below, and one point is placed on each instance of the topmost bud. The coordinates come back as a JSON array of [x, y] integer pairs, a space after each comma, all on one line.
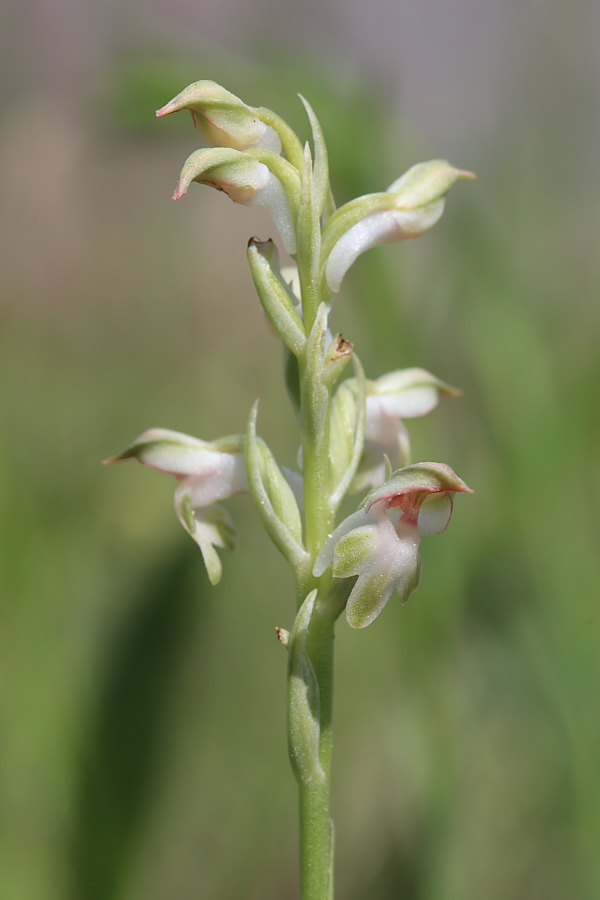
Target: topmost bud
[[222, 118]]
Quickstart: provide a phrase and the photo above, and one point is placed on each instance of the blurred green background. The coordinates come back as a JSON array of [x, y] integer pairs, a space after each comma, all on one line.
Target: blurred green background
[[143, 746]]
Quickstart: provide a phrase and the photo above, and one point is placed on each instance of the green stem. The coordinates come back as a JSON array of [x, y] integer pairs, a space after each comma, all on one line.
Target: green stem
[[314, 776]]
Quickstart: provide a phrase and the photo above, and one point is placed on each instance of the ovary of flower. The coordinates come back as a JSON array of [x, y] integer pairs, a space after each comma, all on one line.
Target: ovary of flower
[[245, 180], [222, 118], [208, 473], [380, 543]]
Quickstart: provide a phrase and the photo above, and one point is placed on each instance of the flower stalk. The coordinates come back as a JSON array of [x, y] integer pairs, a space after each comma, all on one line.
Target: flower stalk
[[352, 432]]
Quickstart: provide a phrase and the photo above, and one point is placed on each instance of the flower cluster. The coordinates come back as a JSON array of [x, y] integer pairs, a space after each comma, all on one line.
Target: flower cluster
[[353, 432]]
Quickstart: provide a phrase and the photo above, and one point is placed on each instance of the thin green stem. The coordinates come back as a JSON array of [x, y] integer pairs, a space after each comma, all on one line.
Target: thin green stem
[[314, 781], [311, 652]]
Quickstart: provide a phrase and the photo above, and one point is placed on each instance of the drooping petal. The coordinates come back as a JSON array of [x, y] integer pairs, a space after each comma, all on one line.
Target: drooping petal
[[392, 566], [210, 527]]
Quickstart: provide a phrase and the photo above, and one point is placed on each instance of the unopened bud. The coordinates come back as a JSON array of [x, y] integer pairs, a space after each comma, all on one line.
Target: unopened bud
[[222, 118]]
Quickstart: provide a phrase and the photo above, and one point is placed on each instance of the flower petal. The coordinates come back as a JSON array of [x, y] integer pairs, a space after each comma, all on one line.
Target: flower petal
[[325, 557], [409, 393], [376, 229], [393, 566], [210, 527], [231, 171], [435, 513], [353, 552], [274, 199]]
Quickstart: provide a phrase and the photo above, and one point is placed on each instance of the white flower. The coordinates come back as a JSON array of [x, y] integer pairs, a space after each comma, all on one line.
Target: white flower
[[245, 180], [380, 542], [411, 205], [208, 473], [403, 394]]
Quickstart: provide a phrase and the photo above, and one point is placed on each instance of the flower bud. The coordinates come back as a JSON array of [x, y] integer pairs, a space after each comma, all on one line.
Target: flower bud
[[222, 118], [411, 205]]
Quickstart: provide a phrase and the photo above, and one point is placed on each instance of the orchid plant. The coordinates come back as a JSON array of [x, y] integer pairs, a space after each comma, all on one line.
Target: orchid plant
[[353, 436]]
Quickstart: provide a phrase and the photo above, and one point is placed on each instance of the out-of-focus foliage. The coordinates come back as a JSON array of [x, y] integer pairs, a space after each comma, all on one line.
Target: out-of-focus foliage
[[143, 751]]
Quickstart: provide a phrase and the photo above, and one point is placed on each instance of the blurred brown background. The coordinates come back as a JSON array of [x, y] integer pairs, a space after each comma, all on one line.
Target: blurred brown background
[[143, 738]]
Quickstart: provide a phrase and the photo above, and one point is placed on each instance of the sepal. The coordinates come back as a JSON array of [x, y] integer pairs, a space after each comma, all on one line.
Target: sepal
[[419, 478], [248, 180], [222, 118]]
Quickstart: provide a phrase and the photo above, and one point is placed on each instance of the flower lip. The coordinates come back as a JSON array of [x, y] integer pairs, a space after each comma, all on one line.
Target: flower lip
[[424, 478]]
